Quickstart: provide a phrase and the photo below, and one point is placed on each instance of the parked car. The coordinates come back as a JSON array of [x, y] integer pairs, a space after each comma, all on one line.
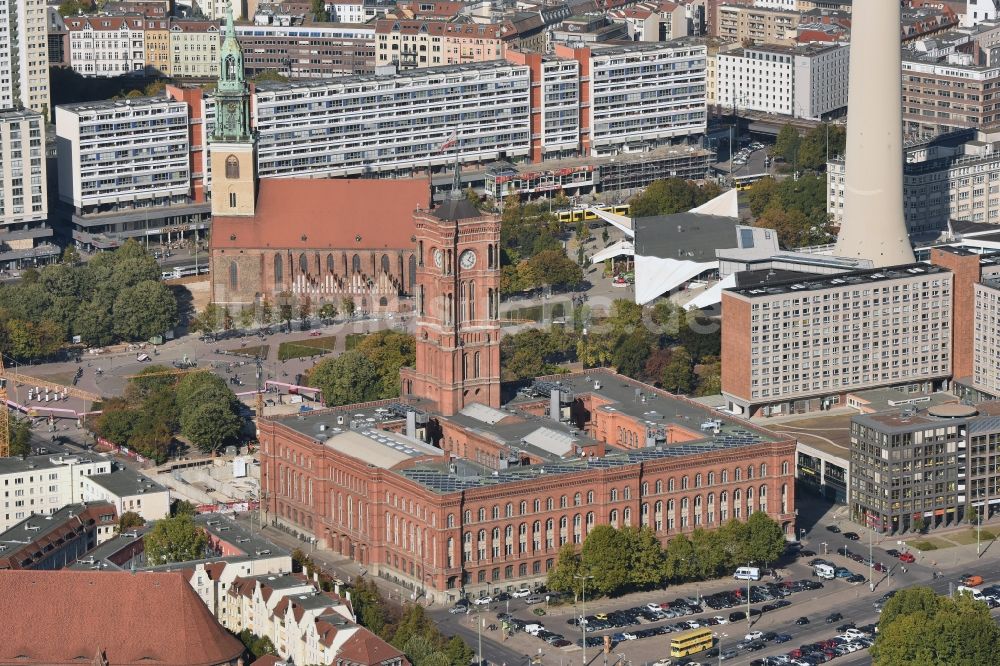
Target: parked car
[[802, 620], [834, 617], [833, 528], [907, 558], [483, 601], [454, 610], [521, 593], [853, 536], [736, 616], [972, 580], [893, 552], [534, 599]]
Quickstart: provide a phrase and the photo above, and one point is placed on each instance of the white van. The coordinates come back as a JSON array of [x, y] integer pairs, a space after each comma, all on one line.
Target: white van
[[972, 592], [825, 571], [533, 629], [747, 573]]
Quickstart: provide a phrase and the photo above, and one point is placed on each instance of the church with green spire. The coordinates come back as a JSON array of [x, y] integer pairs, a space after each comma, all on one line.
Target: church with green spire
[[232, 143]]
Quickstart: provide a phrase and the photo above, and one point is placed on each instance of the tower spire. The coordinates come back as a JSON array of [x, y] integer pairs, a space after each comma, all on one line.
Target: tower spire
[[230, 27]]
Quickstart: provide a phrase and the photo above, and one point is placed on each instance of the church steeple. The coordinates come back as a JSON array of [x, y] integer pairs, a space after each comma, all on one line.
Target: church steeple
[[232, 143], [232, 95]]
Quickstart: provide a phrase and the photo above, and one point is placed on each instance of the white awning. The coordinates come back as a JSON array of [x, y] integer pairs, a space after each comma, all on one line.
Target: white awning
[[726, 204], [711, 296], [655, 276], [622, 248], [620, 221]]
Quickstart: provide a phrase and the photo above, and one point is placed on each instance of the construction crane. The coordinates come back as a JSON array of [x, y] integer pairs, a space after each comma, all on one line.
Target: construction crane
[[4, 415]]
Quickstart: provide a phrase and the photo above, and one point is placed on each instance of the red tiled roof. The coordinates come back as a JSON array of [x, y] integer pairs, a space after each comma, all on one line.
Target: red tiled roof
[[266, 660], [66, 617], [329, 213], [364, 647]]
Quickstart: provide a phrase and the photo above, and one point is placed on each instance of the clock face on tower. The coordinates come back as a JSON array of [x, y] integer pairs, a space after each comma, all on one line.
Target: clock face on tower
[[468, 259], [438, 258]]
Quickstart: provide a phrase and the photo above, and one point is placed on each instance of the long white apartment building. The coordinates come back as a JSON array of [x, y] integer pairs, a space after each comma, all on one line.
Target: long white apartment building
[[42, 484], [389, 125], [123, 165], [646, 93], [105, 45], [808, 81], [559, 108]]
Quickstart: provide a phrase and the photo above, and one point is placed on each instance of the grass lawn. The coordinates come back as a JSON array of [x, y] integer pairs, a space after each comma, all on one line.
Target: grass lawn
[[252, 352], [968, 537], [929, 544], [307, 347], [353, 340]]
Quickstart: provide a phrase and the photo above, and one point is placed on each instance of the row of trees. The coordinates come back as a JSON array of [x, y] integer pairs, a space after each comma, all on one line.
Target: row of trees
[[368, 372], [215, 317], [666, 346], [810, 152], [919, 627], [531, 254], [618, 561], [115, 296], [159, 404], [796, 209], [672, 195]]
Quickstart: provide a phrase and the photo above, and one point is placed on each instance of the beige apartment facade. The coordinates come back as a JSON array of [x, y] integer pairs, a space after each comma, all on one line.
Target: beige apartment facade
[[755, 26]]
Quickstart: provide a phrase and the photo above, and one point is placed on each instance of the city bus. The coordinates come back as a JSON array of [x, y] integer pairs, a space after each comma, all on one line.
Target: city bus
[[745, 182], [690, 642], [574, 215]]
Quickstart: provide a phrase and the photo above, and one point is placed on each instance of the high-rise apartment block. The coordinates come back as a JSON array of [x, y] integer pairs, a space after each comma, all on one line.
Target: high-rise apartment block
[[797, 346], [942, 93], [125, 170], [24, 64], [24, 228], [432, 43], [315, 51], [756, 25], [807, 81]]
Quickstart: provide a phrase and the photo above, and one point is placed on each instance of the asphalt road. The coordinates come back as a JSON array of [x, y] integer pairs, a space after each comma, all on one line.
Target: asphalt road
[[854, 602]]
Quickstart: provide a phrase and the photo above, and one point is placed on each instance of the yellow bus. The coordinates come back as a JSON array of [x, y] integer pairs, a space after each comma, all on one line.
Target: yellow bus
[[690, 642]]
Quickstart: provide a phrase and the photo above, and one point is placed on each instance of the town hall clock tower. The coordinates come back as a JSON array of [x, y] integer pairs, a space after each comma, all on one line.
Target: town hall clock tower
[[232, 143], [458, 306]]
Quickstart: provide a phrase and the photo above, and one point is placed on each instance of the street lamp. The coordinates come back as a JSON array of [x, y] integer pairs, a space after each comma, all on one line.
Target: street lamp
[[581, 620], [979, 531], [749, 564]]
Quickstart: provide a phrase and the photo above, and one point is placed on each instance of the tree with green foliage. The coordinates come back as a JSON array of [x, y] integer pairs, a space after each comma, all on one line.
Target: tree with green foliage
[[786, 146], [347, 306], [672, 195], [349, 378], [266, 313], [328, 312], [258, 646], [534, 351], [603, 556], [632, 351], [562, 576], [175, 539], [919, 627], [94, 323], [368, 605], [144, 310], [210, 425], [183, 508], [678, 375], [765, 540], [130, 519], [554, 268], [318, 9], [19, 436], [681, 564], [247, 317], [74, 7], [646, 559], [390, 351], [919, 524]]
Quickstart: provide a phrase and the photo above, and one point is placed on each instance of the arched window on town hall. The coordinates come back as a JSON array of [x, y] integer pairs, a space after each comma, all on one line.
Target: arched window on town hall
[[232, 167], [356, 264], [412, 277], [234, 277], [278, 271], [331, 265], [303, 263], [385, 264]]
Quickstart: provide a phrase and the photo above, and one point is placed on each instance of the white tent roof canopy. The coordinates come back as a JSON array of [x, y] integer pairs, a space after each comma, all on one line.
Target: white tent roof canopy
[[713, 295], [620, 221], [655, 276], [622, 248], [726, 204]]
